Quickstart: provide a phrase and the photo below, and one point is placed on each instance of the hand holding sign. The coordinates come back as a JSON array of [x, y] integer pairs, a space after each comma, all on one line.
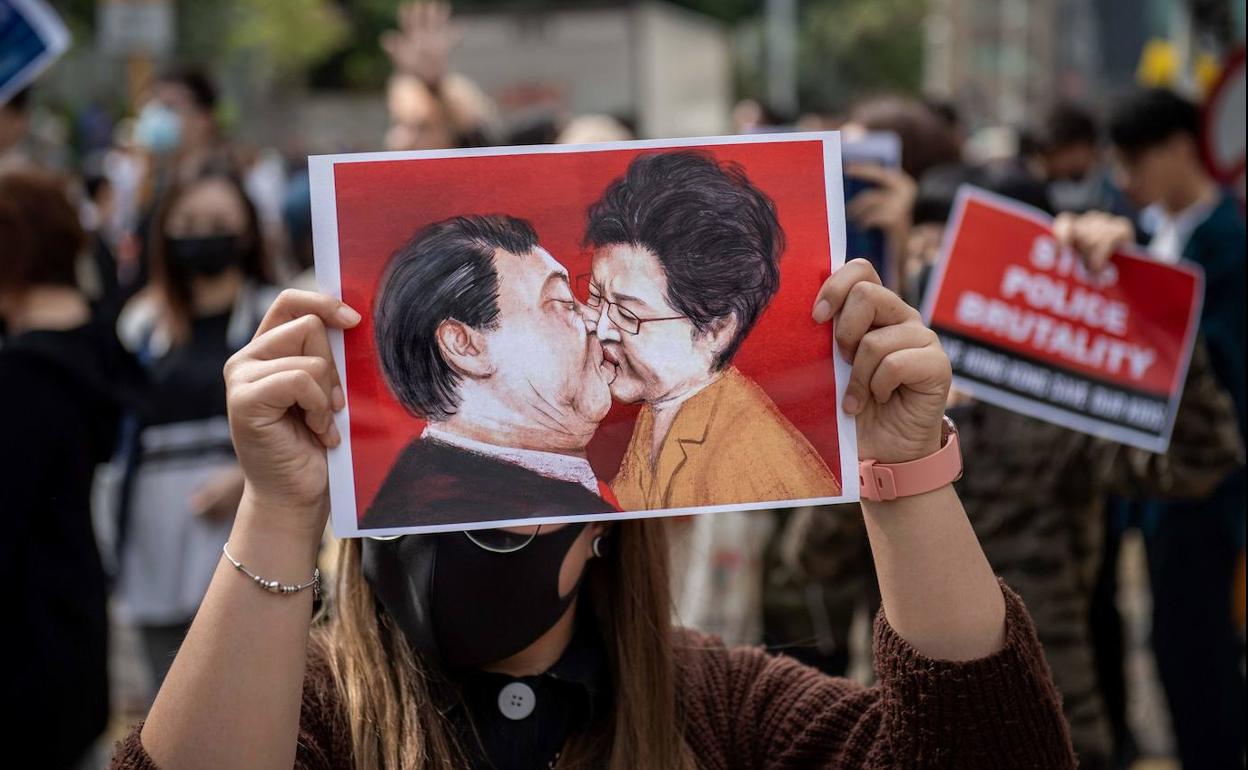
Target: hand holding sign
[[900, 376], [1098, 344], [1095, 236], [282, 390]]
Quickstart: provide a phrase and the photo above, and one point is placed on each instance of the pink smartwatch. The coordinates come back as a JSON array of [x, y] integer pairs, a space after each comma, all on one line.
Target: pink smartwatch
[[879, 482]]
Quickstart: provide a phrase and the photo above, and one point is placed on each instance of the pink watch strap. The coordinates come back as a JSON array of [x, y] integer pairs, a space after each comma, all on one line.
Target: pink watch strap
[[880, 482]]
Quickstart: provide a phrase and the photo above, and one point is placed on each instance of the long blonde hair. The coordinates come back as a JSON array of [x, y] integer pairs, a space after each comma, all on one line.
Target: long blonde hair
[[392, 701]]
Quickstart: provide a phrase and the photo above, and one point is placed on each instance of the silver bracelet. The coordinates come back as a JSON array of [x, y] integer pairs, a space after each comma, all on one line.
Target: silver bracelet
[[273, 586]]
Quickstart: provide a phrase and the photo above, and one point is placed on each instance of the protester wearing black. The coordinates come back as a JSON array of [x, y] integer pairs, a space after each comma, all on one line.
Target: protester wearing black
[[59, 380]]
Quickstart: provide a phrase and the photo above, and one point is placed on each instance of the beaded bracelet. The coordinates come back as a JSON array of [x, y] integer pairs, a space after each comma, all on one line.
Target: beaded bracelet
[[273, 586]]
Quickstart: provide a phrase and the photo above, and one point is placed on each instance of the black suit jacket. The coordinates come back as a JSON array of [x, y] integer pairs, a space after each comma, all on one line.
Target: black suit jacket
[[434, 483]]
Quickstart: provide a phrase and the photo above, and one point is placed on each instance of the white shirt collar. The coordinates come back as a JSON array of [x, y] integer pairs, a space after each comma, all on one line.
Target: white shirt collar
[[1174, 231], [550, 464]]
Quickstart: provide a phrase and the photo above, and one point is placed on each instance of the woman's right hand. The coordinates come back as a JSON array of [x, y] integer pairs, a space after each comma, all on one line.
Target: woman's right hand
[[282, 390]]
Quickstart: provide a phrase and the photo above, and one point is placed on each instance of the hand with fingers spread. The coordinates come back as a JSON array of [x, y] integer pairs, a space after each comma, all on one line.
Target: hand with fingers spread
[[282, 390], [900, 376], [421, 46], [1094, 236]]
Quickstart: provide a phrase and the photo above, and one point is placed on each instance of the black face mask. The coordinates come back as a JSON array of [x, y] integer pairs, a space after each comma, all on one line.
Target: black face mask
[[464, 605], [207, 255]]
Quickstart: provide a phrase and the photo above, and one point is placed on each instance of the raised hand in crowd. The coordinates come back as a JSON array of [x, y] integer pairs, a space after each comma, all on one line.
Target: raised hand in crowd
[[422, 44]]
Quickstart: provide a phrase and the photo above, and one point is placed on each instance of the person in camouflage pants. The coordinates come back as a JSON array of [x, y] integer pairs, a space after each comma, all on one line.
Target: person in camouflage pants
[[1034, 493]]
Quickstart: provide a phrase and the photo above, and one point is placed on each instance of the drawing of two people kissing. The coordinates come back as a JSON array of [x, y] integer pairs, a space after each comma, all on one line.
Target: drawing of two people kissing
[[513, 363]]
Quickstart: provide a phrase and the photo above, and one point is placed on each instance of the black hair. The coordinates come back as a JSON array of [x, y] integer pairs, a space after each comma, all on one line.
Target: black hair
[[715, 234], [938, 189], [197, 83], [1069, 124], [445, 271], [1149, 118], [927, 140]]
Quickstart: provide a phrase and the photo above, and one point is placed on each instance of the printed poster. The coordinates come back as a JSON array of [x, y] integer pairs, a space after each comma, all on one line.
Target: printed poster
[[1028, 329], [572, 333]]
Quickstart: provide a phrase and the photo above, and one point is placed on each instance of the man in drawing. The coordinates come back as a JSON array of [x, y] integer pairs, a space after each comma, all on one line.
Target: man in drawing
[[478, 333]]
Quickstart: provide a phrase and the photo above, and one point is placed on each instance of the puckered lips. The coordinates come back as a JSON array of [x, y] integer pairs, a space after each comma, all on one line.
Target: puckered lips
[[610, 364]]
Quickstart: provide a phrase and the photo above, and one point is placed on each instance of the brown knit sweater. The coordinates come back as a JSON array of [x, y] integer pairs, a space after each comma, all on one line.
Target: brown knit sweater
[[746, 710]]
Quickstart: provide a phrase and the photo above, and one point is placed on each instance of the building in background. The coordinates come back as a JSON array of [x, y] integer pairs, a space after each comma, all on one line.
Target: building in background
[[665, 69], [1007, 61]]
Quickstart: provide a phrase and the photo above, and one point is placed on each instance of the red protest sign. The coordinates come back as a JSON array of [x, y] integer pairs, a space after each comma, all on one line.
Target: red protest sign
[[1028, 329]]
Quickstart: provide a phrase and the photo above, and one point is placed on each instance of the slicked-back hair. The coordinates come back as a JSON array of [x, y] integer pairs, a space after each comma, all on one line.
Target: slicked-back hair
[[715, 234], [445, 272], [1148, 118]]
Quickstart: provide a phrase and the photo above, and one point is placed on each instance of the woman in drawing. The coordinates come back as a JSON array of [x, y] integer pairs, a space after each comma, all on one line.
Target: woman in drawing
[[686, 258]]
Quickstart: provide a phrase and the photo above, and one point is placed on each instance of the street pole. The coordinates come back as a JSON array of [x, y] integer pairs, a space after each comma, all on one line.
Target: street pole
[[781, 33]]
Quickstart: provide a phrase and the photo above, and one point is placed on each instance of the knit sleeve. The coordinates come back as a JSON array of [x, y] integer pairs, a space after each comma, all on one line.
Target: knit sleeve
[[323, 743], [758, 711], [999, 711]]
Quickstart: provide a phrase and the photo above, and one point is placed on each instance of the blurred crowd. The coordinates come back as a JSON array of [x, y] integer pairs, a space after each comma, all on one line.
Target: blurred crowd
[[128, 278]]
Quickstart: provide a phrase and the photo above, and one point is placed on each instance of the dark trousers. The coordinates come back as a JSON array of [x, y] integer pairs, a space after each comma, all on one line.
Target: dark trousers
[[1192, 552], [1109, 647]]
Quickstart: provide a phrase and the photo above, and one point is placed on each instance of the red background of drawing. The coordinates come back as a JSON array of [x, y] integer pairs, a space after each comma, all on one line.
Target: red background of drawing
[[1159, 297], [382, 203]]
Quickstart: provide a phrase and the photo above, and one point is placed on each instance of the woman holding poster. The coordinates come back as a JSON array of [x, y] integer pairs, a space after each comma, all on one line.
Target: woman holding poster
[[582, 668]]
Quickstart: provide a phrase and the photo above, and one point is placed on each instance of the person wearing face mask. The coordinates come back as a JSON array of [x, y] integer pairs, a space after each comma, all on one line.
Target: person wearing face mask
[[178, 123], [179, 481], [554, 648], [508, 420], [1071, 162], [1193, 545], [177, 137]]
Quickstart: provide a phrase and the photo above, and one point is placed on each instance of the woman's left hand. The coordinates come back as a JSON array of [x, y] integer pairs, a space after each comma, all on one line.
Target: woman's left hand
[[900, 376]]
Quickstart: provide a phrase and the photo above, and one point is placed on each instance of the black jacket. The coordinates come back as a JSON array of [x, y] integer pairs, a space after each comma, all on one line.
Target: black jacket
[[62, 406], [433, 483]]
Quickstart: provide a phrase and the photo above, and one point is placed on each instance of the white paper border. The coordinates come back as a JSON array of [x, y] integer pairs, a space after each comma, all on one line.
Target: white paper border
[[1042, 410], [343, 508]]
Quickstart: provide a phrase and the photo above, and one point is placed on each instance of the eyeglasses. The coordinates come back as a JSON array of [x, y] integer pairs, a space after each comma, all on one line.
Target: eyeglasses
[[492, 540], [626, 320]]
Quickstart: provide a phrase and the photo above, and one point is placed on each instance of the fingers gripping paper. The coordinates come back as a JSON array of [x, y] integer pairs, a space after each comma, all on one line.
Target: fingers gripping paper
[[1028, 329]]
